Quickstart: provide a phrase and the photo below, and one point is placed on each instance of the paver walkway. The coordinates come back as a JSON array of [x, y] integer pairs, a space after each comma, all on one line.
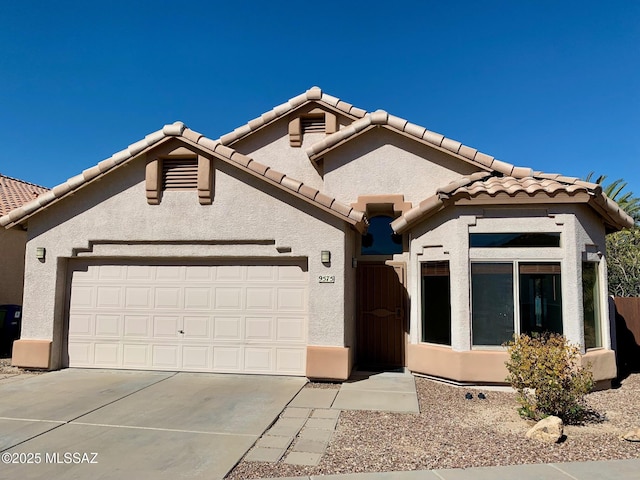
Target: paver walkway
[[302, 433]]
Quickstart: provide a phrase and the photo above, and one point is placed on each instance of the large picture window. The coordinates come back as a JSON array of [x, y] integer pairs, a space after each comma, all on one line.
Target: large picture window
[[514, 297], [436, 303]]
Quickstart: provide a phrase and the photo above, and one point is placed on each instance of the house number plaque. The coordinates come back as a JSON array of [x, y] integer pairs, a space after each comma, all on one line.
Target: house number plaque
[[327, 279]]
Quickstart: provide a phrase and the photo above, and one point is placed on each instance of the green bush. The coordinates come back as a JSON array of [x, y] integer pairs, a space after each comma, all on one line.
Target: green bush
[[546, 373]]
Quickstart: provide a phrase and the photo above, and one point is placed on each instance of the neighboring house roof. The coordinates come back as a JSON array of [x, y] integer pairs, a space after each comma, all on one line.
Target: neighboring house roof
[[195, 139], [314, 94], [487, 188], [381, 118], [14, 193]]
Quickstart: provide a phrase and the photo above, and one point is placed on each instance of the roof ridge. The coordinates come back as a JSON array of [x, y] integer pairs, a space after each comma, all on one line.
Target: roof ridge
[[313, 94], [381, 117]]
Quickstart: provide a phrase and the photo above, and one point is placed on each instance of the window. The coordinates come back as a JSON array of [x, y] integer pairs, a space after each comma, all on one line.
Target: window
[[380, 239], [514, 297], [494, 240], [436, 303], [591, 305]]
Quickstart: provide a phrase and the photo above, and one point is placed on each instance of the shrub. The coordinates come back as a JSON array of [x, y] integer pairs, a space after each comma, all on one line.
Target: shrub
[[546, 373]]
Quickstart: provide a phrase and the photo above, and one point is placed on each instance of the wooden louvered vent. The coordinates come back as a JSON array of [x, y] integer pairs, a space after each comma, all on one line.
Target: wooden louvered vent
[[313, 124], [180, 174]]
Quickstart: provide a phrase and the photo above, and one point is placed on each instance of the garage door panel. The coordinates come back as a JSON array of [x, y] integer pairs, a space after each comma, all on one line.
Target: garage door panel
[[197, 328], [197, 298], [168, 297], [292, 299], [106, 354], [259, 329], [81, 324], [228, 298], [259, 298], [137, 326], [135, 356], [227, 328], [82, 296], [108, 326], [258, 359], [219, 318], [165, 356], [138, 297], [227, 359]]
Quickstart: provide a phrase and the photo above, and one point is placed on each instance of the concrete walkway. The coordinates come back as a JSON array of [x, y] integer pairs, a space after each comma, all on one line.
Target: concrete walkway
[[603, 470], [310, 419]]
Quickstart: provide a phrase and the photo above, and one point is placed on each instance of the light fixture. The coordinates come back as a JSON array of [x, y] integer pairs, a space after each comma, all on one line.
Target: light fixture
[[325, 256], [40, 253]]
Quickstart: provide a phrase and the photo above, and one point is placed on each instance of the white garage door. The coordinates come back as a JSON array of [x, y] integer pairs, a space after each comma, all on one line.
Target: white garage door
[[223, 318]]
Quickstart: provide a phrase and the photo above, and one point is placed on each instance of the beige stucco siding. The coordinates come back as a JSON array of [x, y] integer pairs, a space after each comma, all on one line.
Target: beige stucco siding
[[12, 246], [248, 219], [382, 162]]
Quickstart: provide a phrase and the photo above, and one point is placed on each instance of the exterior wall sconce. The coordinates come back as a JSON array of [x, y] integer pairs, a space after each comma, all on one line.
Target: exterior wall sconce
[[325, 256], [41, 252]]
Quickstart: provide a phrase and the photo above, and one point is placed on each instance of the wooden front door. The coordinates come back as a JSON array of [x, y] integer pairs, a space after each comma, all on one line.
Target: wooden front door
[[381, 323]]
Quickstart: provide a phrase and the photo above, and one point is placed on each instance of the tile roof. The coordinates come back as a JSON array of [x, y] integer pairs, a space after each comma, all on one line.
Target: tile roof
[[421, 134], [481, 186], [314, 94], [14, 193], [215, 147]]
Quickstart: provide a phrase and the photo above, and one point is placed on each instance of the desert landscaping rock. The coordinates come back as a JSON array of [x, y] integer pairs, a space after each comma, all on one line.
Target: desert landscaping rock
[[632, 435], [548, 430], [451, 432]]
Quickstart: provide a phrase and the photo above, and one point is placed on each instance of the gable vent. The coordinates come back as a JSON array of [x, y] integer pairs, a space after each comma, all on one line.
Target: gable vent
[[180, 174], [313, 124]]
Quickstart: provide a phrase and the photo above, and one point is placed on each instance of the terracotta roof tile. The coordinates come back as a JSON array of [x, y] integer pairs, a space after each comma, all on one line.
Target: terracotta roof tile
[[14, 193], [20, 202], [314, 94], [484, 184]]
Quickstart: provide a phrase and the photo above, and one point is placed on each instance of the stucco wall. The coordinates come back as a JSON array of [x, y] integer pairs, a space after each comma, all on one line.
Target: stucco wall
[[244, 208], [12, 246], [381, 162]]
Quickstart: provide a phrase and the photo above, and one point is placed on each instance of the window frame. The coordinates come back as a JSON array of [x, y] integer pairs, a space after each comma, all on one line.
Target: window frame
[[515, 288], [600, 315], [423, 303]]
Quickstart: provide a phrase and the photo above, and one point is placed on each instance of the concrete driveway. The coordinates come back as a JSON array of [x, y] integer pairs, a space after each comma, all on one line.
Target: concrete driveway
[[104, 424]]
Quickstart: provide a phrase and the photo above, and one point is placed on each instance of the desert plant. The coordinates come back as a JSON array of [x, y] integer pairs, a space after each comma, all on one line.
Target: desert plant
[[546, 372]]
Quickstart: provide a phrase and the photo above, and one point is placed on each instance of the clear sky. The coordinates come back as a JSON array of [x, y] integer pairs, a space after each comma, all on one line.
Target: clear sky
[[552, 85]]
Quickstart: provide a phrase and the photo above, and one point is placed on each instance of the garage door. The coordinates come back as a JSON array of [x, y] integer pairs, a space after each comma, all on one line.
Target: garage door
[[223, 318]]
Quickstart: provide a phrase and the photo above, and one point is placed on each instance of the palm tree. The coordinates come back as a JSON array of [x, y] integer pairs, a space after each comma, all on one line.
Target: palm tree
[[614, 190]]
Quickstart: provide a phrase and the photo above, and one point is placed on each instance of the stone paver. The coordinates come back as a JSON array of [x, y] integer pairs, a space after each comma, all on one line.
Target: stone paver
[[260, 454], [322, 423], [269, 441], [316, 434], [325, 413], [314, 398], [303, 458], [296, 412], [310, 446], [400, 402]]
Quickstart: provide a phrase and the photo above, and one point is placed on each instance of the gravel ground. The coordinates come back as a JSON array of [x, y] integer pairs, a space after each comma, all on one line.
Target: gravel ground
[[7, 369], [452, 432]]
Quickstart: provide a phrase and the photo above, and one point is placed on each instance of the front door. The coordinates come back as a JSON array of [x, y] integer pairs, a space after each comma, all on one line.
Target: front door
[[380, 324]]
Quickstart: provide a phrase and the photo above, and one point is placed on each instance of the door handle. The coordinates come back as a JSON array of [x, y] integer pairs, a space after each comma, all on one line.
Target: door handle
[[181, 331]]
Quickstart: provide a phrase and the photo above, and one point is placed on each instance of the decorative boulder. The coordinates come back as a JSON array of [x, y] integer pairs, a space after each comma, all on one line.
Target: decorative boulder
[[548, 430], [632, 435]]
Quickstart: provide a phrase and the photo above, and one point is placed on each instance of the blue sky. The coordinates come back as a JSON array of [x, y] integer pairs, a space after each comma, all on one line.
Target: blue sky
[[552, 85]]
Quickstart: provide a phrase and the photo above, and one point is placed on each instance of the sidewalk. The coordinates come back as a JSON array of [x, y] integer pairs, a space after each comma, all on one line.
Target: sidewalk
[[602, 470]]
